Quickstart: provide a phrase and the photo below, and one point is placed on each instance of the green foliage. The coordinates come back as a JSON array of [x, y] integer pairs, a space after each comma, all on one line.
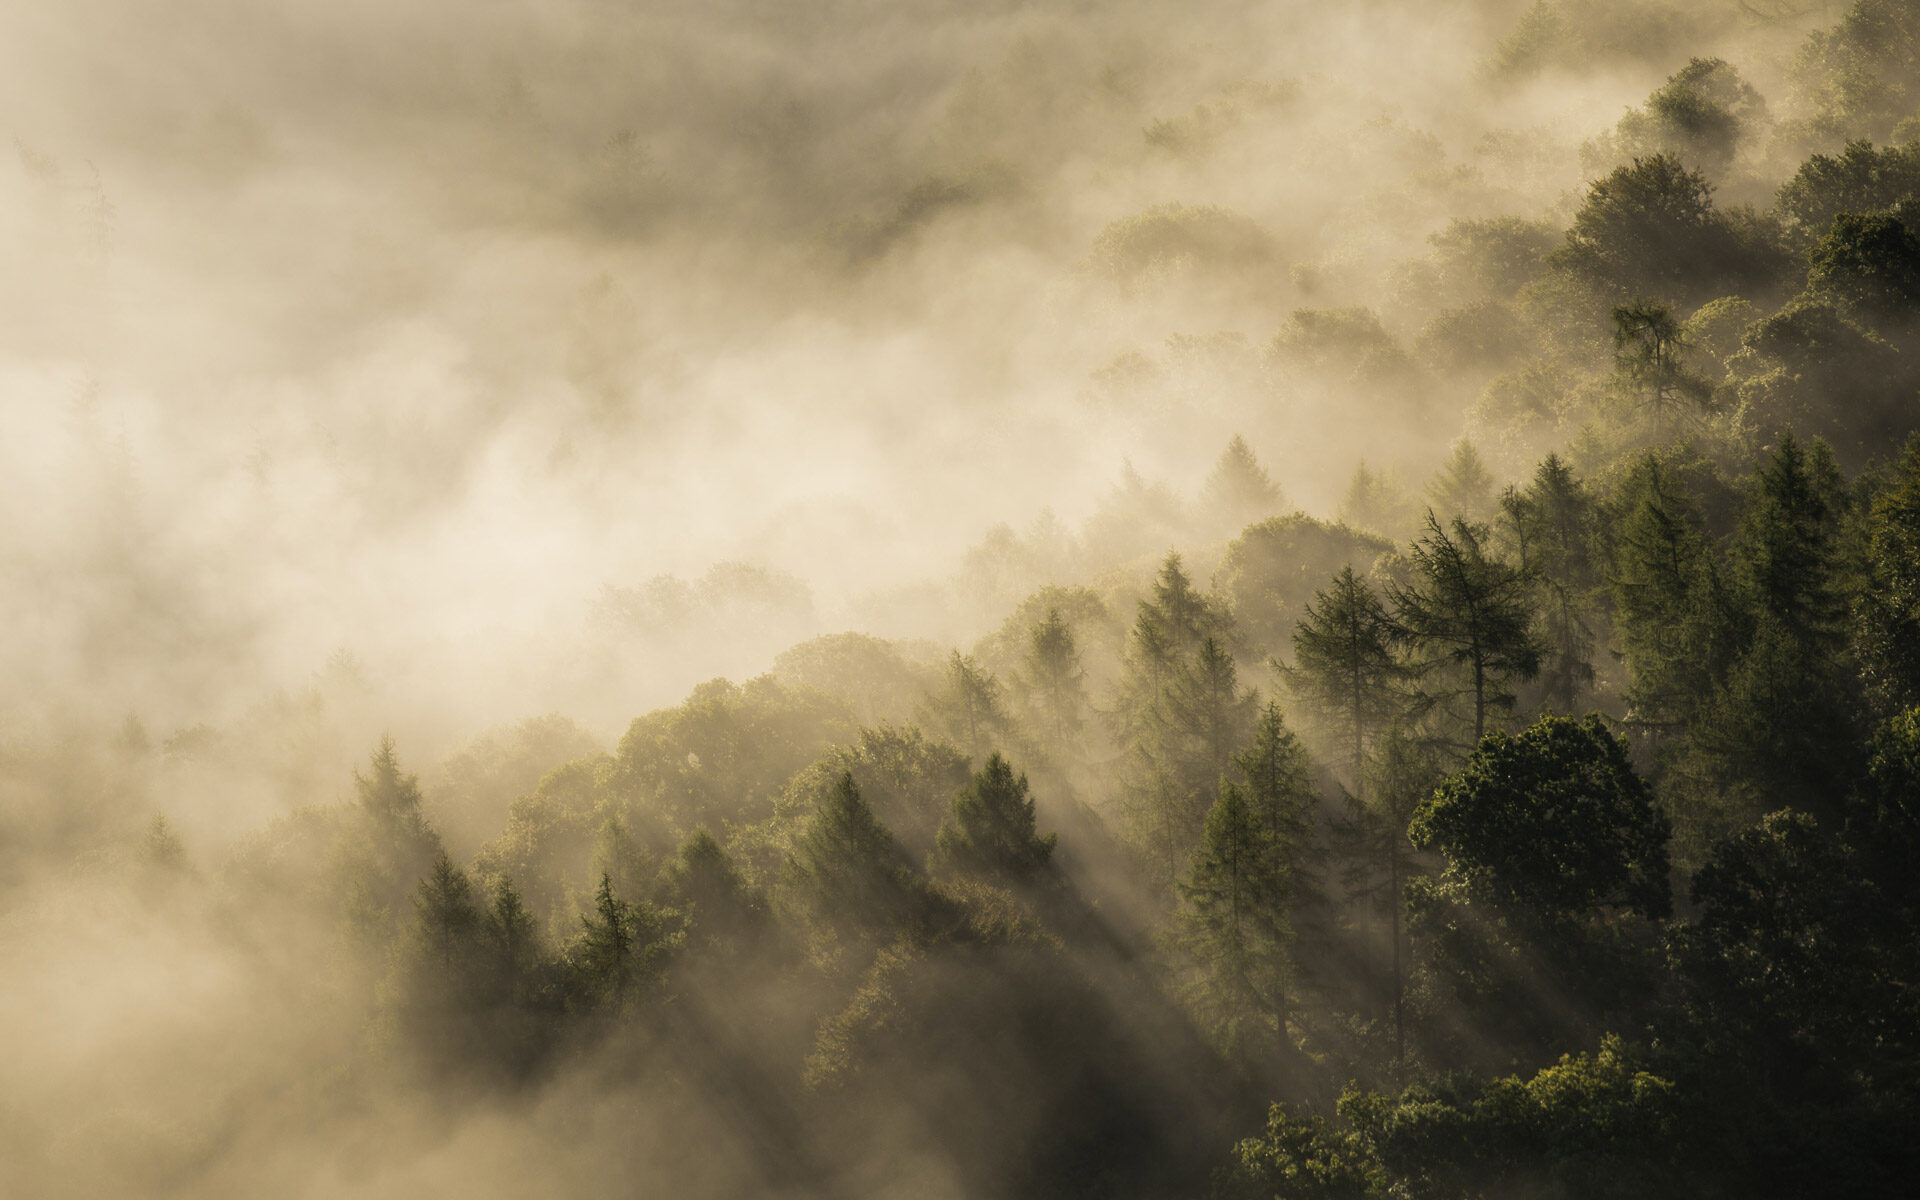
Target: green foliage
[[1671, 609], [1182, 715], [722, 913], [1347, 667], [1491, 258], [1861, 74], [1270, 571], [1859, 179], [905, 777], [1549, 824], [1301, 1157], [991, 833], [1462, 487], [1053, 683], [1235, 926], [1171, 240], [1870, 263], [1591, 1127], [1650, 366], [727, 746], [1888, 615], [1650, 229], [1471, 618], [620, 951], [1701, 116], [851, 873], [1239, 490], [967, 709]]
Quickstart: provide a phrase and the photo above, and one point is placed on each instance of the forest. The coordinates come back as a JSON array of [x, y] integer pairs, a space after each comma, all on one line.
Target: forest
[[1472, 751]]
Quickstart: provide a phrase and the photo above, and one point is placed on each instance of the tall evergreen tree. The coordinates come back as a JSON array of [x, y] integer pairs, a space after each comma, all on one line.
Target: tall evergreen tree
[[1470, 618], [1235, 926], [968, 710], [991, 833], [1673, 623], [851, 871], [1239, 491], [1888, 634], [1463, 487], [1054, 682], [1346, 665]]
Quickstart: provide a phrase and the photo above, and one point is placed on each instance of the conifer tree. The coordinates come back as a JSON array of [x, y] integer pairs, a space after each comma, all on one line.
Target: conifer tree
[[1345, 664], [968, 709], [1373, 501], [1235, 926], [714, 899], [1180, 715], [620, 949], [445, 913], [1554, 519], [1672, 614], [991, 832], [1889, 613], [1239, 491], [1054, 682], [512, 937], [1649, 369], [851, 871], [1469, 616], [1463, 487], [1377, 860]]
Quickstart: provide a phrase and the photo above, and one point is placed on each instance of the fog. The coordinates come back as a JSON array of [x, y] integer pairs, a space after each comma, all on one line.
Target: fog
[[422, 369]]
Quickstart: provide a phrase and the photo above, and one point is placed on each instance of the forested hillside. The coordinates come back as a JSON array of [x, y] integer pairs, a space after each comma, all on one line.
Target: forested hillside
[[1494, 773]]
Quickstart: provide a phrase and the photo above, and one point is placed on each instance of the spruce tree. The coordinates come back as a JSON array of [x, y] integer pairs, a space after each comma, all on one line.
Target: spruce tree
[[1239, 491], [1054, 682], [1346, 665], [1463, 487], [1235, 926], [991, 833], [968, 709], [1469, 617], [851, 872]]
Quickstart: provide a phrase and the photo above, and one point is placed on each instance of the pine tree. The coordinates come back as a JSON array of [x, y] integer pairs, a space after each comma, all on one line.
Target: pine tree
[[852, 873], [1888, 634], [1235, 926], [1555, 519], [394, 847], [721, 908], [511, 937], [1373, 502], [445, 914], [1345, 664], [1211, 711], [1054, 682], [620, 949], [1649, 369], [991, 832], [968, 709], [1180, 715], [1470, 616], [1239, 491], [1378, 860], [1463, 487], [1672, 619]]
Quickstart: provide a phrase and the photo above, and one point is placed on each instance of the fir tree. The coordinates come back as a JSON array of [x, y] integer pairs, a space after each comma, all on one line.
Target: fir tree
[[1470, 617], [1463, 487], [1239, 491], [1346, 666], [991, 833], [1054, 682], [1235, 926]]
